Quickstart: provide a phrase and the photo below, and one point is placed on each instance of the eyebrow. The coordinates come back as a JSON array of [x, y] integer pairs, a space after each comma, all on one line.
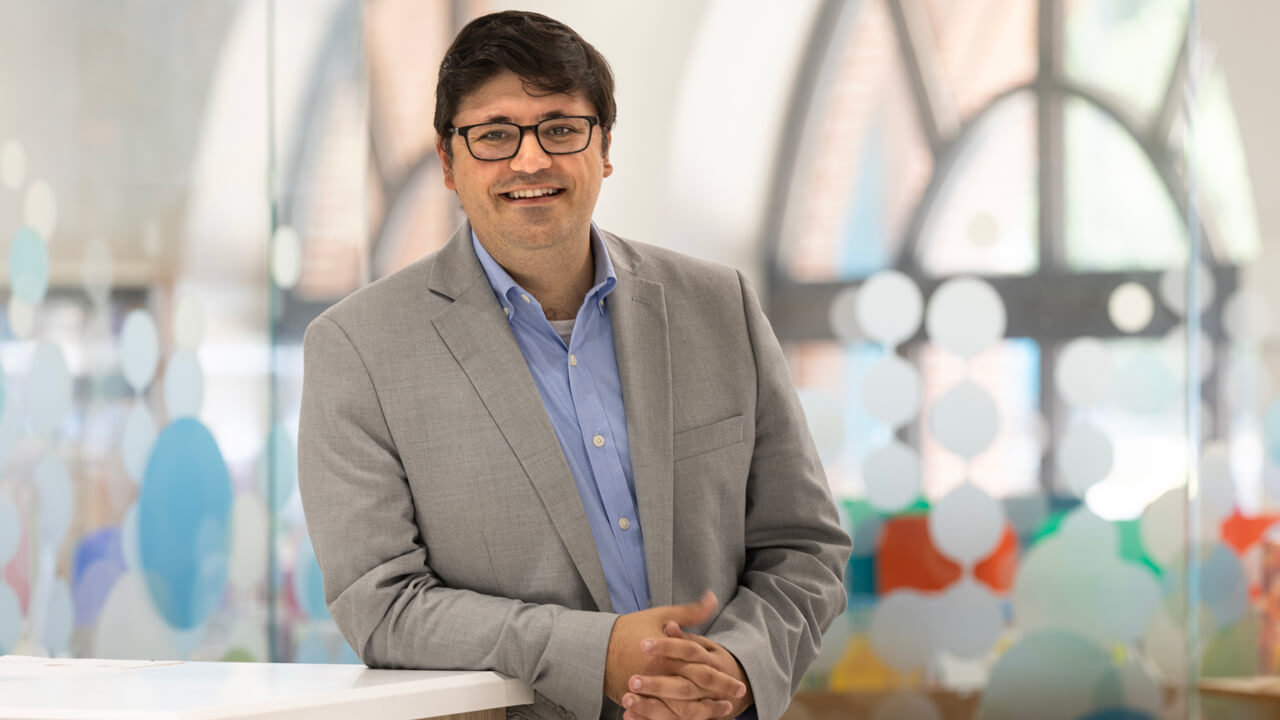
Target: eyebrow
[[553, 114]]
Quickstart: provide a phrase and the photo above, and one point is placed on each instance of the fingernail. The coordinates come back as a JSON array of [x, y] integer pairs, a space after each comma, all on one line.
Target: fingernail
[[635, 683], [742, 690], [629, 701], [647, 645]]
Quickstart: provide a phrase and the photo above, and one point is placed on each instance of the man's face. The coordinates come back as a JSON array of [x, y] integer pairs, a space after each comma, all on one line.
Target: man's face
[[506, 224]]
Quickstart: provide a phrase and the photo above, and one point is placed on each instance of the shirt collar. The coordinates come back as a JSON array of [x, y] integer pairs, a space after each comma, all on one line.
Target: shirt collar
[[503, 284]]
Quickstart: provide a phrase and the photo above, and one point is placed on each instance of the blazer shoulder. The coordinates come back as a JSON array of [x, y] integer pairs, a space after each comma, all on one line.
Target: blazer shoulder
[[675, 270]]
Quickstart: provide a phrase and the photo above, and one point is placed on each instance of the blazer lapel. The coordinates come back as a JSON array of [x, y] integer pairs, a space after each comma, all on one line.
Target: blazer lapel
[[639, 313], [476, 332]]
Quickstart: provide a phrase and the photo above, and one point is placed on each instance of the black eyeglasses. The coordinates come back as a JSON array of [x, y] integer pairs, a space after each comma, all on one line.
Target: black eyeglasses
[[501, 140]]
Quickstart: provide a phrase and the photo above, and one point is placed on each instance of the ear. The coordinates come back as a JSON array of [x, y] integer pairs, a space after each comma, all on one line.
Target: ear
[[608, 166], [446, 162]]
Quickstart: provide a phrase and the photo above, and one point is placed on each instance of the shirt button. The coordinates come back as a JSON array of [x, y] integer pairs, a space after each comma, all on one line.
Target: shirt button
[[506, 311], [597, 441], [526, 297], [573, 360], [624, 523]]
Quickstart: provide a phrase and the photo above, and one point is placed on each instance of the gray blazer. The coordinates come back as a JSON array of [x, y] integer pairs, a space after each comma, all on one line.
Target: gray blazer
[[448, 527]]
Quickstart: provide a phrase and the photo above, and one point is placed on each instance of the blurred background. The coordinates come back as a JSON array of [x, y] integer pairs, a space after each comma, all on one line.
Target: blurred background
[[1017, 252]]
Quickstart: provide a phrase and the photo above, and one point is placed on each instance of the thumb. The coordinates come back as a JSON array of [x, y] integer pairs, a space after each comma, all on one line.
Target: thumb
[[672, 630], [696, 613]]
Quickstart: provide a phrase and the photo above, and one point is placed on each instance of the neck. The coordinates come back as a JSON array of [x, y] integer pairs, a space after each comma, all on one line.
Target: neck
[[559, 277]]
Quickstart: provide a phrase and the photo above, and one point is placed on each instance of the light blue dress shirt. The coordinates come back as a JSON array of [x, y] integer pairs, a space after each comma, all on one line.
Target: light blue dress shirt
[[582, 393]]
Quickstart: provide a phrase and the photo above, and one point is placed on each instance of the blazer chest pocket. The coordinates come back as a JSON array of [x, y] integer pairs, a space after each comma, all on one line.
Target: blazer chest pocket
[[701, 440]]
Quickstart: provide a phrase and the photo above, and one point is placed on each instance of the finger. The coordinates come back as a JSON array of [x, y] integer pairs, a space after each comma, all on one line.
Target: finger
[[676, 649], [695, 613], [644, 708], [712, 681], [672, 630], [640, 707], [668, 687]]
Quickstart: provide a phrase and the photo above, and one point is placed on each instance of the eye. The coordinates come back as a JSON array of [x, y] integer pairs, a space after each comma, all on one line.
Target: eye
[[491, 135], [560, 130]]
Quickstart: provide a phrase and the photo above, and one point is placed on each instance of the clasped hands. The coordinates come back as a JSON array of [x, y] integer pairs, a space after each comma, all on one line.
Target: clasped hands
[[657, 671]]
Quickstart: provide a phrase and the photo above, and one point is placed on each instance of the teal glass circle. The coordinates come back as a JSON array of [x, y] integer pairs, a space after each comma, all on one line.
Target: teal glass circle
[[29, 267]]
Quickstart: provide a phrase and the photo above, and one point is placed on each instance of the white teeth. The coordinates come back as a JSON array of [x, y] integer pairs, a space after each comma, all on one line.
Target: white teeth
[[520, 194]]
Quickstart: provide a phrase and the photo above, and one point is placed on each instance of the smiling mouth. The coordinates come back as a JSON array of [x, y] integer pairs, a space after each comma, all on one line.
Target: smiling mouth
[[532, 194]]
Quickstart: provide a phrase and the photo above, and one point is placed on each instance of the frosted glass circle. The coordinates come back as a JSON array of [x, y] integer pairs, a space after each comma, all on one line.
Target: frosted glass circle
[[1145, 383], [57, 499], [130, 627], [188, 321], [965, 316], [1173, 288], [49, 388], [9, 525], [891, 391], [286, 257], [55, 631], [906, 705], [842, 316], [889, 307], [892, 477], [1089, 535], [28, 267], [966, 524], [1130, 307], [248, 563], [138, 439], [1049, 675], [1246, 317], [96, 271], [964, 420], [968, 619], [1084, 457], [139, 349], [22, 318], [183, 385], [1217, 486], [13, 165], [1162, 526], [901, 630], [826, 421], [1248, 383], [1176, 350], [1084, 373], [40, 211]]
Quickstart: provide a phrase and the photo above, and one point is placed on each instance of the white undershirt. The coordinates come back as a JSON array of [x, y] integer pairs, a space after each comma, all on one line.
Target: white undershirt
[[563, 328]]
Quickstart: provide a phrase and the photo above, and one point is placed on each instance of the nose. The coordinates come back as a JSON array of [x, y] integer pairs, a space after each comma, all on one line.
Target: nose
[[530, 158]]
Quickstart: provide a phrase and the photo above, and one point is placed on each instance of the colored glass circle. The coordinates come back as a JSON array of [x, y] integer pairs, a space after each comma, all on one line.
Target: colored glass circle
[[139, 349], [29, 266]]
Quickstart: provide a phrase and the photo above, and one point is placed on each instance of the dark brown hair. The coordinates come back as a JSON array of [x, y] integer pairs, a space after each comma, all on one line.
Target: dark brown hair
[[547, 54]]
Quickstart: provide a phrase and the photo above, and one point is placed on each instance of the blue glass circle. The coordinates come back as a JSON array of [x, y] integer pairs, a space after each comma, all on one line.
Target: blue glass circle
[[184, 512], [29, 267]]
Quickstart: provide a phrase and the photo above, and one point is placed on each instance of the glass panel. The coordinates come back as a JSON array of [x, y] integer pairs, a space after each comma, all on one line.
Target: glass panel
[[1119, 213], [984, 218], [1125, 49], [862, 163], [132, 520]]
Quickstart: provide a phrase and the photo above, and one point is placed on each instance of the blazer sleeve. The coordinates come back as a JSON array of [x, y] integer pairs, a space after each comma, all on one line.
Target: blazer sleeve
[[378, 582], [792, 586]]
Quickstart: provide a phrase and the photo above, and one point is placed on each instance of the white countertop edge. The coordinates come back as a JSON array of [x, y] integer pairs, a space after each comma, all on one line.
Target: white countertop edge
[[428, 697]]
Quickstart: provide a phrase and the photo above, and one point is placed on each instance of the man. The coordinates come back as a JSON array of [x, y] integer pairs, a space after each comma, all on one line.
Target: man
[[518, 453]]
